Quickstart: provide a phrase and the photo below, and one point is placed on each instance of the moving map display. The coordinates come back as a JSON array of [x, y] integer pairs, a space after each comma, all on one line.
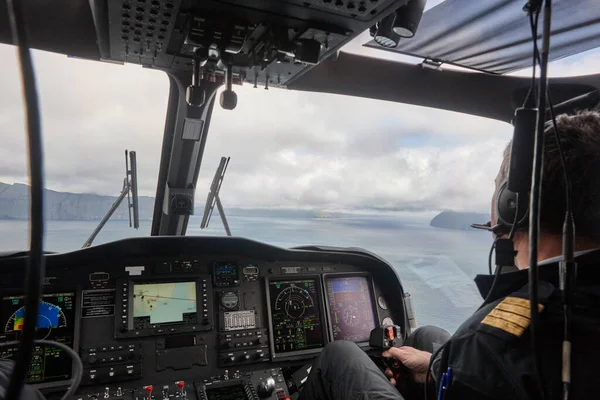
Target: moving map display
[[296, 316], [157, 304], [56, 321], [350, 308]]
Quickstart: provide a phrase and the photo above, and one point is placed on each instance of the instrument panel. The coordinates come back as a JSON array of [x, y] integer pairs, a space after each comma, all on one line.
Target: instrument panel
[[207, 318]]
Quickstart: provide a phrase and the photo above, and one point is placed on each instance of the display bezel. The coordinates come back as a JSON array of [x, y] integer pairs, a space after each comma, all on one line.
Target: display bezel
[[76, 329], [371, 286], [226, 383], [320, 294], [166, 328]]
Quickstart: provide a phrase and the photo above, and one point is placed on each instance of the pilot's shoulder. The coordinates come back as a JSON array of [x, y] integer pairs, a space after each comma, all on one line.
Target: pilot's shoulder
[[493, 340], [510, 318]]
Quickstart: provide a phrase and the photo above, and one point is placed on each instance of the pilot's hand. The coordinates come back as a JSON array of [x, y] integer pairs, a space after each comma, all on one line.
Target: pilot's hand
[[388, 372], [417, 361]]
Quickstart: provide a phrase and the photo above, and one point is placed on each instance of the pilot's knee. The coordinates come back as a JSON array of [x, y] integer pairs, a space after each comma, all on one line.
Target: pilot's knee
[[340, 349], [431, 330], [426, 337]]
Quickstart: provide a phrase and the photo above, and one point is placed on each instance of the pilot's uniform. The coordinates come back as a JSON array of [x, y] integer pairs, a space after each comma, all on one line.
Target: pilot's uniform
[[27, 393], [490, 354]]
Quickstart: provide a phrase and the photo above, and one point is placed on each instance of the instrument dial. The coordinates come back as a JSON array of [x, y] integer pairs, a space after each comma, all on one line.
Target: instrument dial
[[294, 301], [351, 315], [49, 316], [230, 300]]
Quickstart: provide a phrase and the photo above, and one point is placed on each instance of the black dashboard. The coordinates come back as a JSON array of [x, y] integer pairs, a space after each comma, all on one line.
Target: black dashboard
[[197, 317]]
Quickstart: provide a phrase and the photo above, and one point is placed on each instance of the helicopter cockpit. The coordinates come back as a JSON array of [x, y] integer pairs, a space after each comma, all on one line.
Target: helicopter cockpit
[[171, 316]]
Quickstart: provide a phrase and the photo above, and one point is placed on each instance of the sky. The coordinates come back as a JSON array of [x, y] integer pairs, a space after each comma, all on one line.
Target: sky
[[287, 149]]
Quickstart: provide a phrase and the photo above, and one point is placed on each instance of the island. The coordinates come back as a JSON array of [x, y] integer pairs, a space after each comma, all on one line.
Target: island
[[65, 206], [458, 220]]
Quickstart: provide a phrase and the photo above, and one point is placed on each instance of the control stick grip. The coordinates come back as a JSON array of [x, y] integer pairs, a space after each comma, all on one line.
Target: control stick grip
[[385, 337]]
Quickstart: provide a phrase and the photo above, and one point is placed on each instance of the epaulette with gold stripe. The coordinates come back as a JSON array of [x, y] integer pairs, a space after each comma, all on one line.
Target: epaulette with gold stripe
[[511, 315]]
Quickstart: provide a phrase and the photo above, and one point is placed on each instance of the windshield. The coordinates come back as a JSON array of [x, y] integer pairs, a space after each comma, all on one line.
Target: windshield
[[305, 169], [91, 113]]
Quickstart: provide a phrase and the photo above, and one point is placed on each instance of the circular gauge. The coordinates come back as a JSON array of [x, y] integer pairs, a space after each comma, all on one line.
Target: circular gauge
[[350, 316], [230, 300], [387, 321], [49, 316], [294, 301], [381, 302]]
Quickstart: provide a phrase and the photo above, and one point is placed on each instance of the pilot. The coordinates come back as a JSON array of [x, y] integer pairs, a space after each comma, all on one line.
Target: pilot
[[490, 354]]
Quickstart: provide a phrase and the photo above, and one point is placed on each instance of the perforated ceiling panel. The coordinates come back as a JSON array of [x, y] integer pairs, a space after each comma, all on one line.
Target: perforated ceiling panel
[[140, 30]]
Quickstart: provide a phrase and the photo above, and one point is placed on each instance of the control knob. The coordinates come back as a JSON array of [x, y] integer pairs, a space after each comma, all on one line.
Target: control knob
[[181, 387], [148, 389], [265, 389]]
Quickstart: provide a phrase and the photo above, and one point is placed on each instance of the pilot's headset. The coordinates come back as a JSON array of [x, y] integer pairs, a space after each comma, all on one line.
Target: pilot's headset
[[507, 203], [512, 205]]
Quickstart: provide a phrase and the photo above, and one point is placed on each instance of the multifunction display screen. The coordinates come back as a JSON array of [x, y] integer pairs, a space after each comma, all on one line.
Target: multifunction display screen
[[296, 316], [235, 392], [159, 304], [350, 308], [56, 322]]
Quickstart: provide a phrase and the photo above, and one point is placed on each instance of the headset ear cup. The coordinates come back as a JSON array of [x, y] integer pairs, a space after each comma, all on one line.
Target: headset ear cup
[[506, 207]]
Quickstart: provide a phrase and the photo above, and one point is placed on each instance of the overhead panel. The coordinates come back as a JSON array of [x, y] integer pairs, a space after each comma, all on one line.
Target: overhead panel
[[267, 43], [495, 35]]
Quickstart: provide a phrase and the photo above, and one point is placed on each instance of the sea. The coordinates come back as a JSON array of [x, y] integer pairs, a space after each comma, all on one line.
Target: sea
[[436, 266]]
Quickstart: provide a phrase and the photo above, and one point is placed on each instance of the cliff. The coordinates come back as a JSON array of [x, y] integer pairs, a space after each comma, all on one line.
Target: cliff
[[14, 204], [458, 220]]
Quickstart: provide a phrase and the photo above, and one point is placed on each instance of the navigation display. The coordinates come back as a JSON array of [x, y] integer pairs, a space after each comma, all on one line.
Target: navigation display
[[350, 308], [158, 304], [56, 321], [296, 316]]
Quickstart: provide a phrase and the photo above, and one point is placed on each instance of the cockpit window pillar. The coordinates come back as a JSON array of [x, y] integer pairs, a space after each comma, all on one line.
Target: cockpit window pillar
[[186, 130]]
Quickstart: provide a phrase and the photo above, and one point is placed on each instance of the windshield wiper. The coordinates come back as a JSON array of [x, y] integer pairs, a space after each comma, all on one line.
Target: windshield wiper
[[129, 185]]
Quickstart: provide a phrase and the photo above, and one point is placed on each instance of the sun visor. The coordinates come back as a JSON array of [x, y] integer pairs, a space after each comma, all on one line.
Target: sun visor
[[58, 26], [495, 36]]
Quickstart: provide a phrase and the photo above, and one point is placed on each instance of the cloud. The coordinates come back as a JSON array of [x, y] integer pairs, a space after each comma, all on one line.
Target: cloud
[[287, 148], [91, 113]]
